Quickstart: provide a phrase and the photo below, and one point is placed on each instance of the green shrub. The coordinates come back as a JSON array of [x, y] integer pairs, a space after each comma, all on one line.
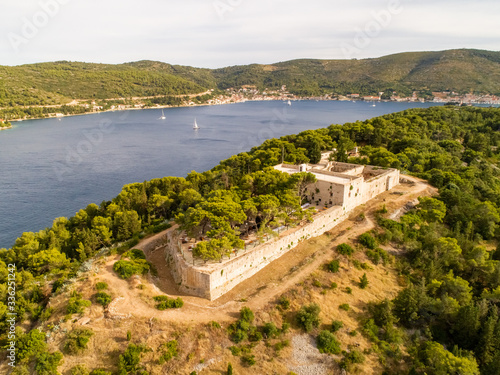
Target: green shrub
[[101, 286], [280, 345], [47, 363], [363, 281], [127, 268], [284, 303], [30, 344], [345, 307], [229, 369], [368, 241], [378, 254], [80, 370], [134, 254], [270, 330], [76, 304], [169, 351], [333, 266], [21, 369], [100, 372], [246, 315], [285, 327], [248, 360], [103, 299], [214, 324], [239, 336], [336, 325], [308, 317], [317, 283], [168, 303], [236, 351], [345, 249], [327, 343], [58, 284], [348, 290], [129, 335], [77, 340], [46, 314], [382, 313], [254, 335], [129, 361], [351, 358]]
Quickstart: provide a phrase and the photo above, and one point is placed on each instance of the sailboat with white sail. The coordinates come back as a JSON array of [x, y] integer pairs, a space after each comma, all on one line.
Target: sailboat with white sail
[[195, 125], [162, 115]]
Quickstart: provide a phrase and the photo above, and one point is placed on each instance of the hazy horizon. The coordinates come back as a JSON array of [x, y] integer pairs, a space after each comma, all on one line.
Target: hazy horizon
[[243, 64], [223, 33]]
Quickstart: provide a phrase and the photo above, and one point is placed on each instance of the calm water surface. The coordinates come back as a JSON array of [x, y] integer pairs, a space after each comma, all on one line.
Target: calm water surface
[[51, 168]]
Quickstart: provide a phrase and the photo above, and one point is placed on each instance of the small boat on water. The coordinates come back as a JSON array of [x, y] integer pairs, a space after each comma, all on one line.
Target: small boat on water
[[289, 102], [162, 115], [195, 125]]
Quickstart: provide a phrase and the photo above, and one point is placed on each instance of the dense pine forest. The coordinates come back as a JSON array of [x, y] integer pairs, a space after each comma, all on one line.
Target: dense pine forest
[[444, 321]]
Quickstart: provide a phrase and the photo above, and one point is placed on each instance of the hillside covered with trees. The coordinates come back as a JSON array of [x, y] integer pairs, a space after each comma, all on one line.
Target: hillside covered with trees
[[57, 83], [445, 320]]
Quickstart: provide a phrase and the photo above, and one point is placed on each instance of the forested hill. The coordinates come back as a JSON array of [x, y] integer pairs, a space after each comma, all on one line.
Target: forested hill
[[61, 82], [461, 71], [445, 318], [456, 70]]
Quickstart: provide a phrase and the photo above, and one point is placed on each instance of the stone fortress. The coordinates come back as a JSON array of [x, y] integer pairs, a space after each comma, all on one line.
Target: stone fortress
[[340, 188]]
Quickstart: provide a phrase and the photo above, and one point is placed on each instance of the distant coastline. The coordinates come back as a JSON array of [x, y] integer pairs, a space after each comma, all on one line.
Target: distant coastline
[[233, 99], [186, 105]]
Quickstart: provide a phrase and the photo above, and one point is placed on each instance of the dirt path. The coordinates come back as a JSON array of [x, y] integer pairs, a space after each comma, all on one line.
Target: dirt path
[[261, 289]]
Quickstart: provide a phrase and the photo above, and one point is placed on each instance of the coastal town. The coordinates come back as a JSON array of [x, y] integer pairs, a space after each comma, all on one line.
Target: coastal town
[[243, 94], [252, 93]]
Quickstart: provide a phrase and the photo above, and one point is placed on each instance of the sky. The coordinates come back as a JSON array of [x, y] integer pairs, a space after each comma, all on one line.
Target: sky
[[218, 33]]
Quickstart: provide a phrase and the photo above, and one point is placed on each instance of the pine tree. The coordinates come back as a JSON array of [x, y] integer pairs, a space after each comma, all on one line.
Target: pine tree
[[229, 369], [466, 326], [487, 341], [363, 281]]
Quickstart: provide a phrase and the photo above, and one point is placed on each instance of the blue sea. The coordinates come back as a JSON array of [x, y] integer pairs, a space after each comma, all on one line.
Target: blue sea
[[53, 167]]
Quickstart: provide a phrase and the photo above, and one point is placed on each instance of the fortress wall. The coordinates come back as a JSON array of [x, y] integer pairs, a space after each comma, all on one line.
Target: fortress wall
[[355, 196], [189, 279], [233, 272], [381, 183], [327, 192]]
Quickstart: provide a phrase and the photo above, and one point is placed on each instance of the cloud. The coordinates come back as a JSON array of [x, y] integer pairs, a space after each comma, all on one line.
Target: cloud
[[218, 33]]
